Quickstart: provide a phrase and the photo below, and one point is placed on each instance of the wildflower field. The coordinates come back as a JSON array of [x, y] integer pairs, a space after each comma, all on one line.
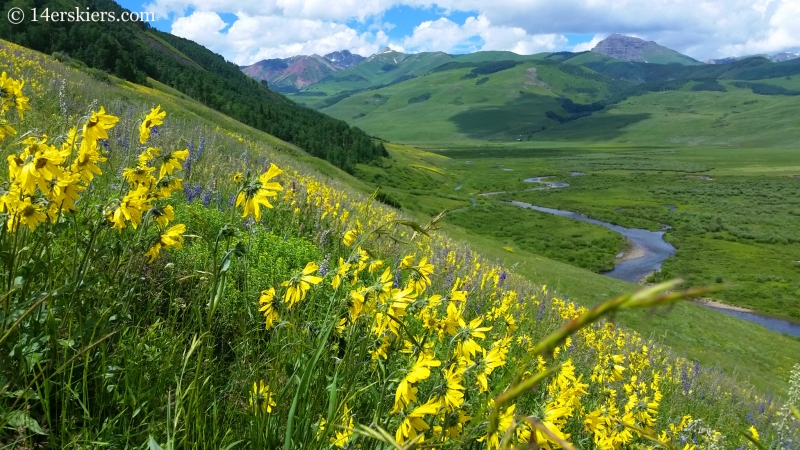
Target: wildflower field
[[174, 281]]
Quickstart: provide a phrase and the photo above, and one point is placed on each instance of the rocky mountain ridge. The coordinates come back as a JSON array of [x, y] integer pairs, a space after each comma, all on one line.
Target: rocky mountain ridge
[[297, 72], [777, 57], [631, 48]]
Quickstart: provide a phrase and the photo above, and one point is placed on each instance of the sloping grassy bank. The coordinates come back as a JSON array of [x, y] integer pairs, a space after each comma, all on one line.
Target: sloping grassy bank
[[170, 282]]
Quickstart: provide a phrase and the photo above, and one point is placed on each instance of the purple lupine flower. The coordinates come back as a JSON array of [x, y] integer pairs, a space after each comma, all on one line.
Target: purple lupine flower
[[502, 278], [540, 312], [207, 197], [154, 131], [397, 279], [324, 265], [448, 280], [685, 382], [231, 200]]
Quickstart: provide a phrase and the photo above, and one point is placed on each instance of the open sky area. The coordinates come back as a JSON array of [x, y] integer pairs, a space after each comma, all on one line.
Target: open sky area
[[247, 32]]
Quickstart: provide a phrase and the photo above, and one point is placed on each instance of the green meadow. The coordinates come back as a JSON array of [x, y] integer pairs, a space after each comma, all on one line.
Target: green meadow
[[750, 193]]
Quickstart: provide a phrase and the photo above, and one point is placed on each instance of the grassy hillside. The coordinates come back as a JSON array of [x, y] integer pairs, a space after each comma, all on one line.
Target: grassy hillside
[[736, 117], [135, 51], [452, 106], [144, 312]]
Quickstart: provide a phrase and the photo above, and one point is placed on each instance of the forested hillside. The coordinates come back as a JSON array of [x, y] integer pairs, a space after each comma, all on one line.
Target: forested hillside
[[135, 51]]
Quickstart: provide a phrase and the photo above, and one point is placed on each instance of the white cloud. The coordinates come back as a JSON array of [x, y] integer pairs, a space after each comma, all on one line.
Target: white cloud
[[253, 38], [700, 28], [585, 46], [477, 33]]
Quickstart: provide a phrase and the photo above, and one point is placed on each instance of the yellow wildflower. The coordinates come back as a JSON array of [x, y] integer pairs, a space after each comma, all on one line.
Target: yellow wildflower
[[154, 117], [269, 307], [256, 192], [95, 128], [414, 422], [297, 287], [173, 237], [262, 398]]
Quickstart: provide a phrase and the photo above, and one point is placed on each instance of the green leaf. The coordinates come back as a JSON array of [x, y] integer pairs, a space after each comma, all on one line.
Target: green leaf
[[21, 419], [152, 444]]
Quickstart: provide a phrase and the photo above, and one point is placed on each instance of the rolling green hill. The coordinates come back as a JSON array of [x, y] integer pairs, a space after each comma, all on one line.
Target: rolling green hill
[[566, 96]]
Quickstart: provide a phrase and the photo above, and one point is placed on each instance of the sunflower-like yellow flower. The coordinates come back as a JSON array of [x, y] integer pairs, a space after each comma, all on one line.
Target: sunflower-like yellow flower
[[163, 215], [40, 163], [85, 163], [406, 392], [172, 162], [11, 94], [154, 118], [349, 237], [148, 155], [269, 306], [414, 422], [491, 360], [467, 347], [63, 191], [355, 305], [505, 421], [453, 424], [165, 186], [453, 397], [341, 436], [297, 287], [25, 212], [6, 129], [95, 128], [256, 192], [341, 272], [420, 277], [262, 398], [139, 176], [130, 208], [173, 237]]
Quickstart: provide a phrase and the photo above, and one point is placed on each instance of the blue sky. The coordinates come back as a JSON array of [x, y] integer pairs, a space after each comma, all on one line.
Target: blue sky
[[245, 32]]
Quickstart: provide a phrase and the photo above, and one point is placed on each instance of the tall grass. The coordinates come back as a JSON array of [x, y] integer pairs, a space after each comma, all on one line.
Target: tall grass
[[330, 322]]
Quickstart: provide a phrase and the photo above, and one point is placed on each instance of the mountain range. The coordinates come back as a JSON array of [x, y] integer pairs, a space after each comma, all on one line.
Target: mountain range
[[503, 96], [777, 57], [297, 72], [294, 74]]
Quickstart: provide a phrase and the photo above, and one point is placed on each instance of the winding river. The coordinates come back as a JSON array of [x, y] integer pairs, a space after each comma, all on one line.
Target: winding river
[[650, 250], [651, 244], [779, 325]]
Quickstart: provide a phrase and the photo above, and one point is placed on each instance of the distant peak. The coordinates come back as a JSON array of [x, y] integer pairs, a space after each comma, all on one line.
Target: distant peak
[[631, 48], [385, 50], [343, 58]]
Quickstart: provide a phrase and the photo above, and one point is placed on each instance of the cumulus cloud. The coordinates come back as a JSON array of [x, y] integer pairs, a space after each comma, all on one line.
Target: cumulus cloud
[[253, 38], [277, 28], [585, 46]]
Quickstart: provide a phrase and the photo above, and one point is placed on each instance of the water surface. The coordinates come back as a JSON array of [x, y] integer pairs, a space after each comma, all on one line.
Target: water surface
[[779, 325], [652, 243]]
